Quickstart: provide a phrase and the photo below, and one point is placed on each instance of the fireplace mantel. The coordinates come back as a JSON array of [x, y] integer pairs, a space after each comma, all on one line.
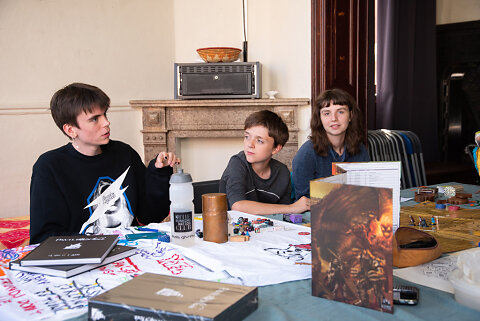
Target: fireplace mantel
[[166, 120]]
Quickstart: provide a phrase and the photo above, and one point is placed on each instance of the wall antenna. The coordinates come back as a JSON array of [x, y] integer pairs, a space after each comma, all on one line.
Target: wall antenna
[[245, 46]]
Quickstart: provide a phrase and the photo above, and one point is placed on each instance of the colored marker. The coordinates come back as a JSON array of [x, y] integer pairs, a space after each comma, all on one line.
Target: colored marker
[[138, 236], [146, 229]]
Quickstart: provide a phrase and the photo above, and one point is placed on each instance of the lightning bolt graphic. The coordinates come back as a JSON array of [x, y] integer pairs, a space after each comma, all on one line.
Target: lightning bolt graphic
[[103, 202]]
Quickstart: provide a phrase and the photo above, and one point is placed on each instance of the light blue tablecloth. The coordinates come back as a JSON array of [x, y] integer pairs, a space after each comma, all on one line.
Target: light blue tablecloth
[[293, 301]]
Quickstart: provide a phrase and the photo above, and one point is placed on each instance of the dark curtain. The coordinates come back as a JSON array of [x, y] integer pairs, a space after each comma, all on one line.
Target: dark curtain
[[406, 70]]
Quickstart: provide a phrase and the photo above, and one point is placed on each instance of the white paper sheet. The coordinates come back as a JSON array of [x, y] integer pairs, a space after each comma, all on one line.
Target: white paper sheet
[[269, 257], [433, 274], [377, 174]]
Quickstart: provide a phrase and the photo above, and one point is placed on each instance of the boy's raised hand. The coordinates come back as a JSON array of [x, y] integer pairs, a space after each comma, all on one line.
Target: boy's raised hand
[[166, 159]]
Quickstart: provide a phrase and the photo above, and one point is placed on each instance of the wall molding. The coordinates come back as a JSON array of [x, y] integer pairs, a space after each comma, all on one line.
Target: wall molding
[[23, 111]]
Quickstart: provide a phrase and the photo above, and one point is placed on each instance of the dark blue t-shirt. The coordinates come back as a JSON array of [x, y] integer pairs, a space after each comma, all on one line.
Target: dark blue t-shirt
[[308, 165]]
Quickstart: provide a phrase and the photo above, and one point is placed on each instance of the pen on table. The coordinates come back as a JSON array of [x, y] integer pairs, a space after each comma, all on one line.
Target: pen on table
[[303, 263]]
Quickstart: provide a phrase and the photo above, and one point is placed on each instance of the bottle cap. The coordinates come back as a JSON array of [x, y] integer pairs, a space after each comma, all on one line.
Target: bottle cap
[[180, 177]]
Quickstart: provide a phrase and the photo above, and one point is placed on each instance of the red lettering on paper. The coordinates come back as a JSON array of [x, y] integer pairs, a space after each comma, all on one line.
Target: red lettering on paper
[[16, 293], [132, 264], [123, 266], [27, 305], [175, 264]]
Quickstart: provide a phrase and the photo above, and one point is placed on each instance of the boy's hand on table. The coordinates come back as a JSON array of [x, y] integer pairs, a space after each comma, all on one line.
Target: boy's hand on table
[[302, 205]]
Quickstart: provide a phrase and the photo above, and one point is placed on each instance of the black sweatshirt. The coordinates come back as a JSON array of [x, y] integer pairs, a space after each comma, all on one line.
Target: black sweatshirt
[[64, 182]]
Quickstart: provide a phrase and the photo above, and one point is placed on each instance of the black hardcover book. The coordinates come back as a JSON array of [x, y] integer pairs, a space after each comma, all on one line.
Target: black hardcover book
[[66, 271], [160, 297], [76, 249]]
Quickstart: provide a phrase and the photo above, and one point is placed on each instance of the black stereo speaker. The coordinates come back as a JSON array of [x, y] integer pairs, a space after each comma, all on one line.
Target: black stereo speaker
[[217, 80]]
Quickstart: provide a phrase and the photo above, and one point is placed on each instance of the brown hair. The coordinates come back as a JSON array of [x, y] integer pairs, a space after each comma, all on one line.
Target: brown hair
[[271, 121], [354, 134], [68, 102]]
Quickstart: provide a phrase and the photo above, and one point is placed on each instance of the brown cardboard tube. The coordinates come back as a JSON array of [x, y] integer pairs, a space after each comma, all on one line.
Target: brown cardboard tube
[[214, 216]]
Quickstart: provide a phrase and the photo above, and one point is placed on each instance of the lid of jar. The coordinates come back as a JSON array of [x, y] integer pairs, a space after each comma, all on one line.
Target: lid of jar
[[214, 202], [180, 177]]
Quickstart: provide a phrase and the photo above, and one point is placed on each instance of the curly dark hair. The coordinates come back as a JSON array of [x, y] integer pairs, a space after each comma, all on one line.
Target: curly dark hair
[[354, 136]]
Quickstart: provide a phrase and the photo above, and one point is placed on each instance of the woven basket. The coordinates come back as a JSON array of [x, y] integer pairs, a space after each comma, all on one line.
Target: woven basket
[[219, 54]]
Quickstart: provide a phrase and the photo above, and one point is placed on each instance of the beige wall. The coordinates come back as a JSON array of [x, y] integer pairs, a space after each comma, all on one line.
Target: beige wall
[[452, 11], [278, 36], [128, 48], [124, 47]]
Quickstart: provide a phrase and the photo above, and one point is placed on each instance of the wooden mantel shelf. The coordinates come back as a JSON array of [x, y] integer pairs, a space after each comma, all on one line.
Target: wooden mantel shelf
[[220, 102], [165, 121]]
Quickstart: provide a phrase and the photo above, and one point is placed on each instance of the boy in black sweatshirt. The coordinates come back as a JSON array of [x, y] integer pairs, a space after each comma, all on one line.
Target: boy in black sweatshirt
[[94, 184]]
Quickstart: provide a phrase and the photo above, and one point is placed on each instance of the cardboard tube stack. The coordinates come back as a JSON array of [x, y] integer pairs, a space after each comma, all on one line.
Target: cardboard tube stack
[[214, 216]]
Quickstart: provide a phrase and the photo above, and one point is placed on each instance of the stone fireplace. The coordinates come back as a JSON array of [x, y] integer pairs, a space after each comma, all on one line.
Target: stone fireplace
[[166, 121]]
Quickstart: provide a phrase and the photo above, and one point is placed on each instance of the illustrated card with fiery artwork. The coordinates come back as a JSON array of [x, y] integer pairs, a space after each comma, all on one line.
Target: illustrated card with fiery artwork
[[352, 244]]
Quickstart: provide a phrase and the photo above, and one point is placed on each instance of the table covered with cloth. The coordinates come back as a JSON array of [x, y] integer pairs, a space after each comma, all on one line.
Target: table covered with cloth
[[270, 257], [269, 260]]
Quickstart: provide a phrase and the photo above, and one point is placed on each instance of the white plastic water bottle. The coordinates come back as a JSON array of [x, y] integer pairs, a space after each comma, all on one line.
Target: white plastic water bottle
[[181, 209]]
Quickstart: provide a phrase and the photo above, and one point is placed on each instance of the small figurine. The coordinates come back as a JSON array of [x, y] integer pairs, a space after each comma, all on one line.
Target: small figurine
[[433, 221], [423, 223], [412, 221]]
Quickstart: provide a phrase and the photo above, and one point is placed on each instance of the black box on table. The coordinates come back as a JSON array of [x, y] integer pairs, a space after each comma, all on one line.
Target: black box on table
[[159, 297]]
